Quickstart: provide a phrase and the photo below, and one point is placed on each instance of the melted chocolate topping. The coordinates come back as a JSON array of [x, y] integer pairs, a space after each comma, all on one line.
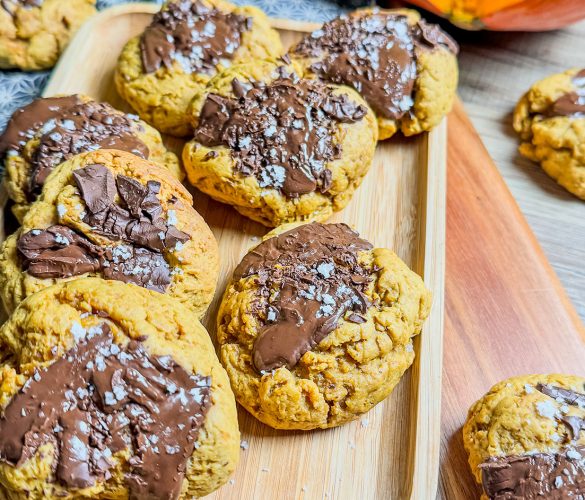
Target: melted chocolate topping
[[574, 423], [60, 252], [308, 277], [572, 103], [100, 398], [86, 127], [375, 54], [198, 37], [67, 126], [555, 476], [282, 132], [25, 121], [138, 220]]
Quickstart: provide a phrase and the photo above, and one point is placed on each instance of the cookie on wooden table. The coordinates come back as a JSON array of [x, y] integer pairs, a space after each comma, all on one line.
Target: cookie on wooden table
[[111, 214], [186, 44], [48, 131], [526, 438], [316, 326], [34, 33], [405, 68], [111, 391], [550, 119], [277, 147]]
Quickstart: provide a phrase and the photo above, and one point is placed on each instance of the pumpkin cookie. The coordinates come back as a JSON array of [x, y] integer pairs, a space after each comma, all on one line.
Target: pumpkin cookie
[[405, 68], [277, 147], [111, 214], [50, 130], [186, 44], [550, 119], [526, 438], [111, 391], [33, 33], [316, 326]]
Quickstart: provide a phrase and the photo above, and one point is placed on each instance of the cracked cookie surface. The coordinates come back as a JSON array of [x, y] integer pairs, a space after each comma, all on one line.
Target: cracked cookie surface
[[48, 327], [353, 336], [277, 147], [160, 88], [405, 68], [526, 427], [109, 213], [550, 120], [34, 33]]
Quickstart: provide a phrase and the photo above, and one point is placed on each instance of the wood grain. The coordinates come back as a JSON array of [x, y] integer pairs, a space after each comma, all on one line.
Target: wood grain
[[506, 311], [495, 70], [401, 205]]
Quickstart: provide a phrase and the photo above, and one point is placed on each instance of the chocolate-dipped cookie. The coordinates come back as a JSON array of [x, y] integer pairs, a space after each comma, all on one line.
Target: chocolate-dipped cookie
[[277, 147], [111, 214], [34, 33], [316, 326], [186, 44], [48, 131], [405, 68], [550, 120], [110, 391], [526, 438]]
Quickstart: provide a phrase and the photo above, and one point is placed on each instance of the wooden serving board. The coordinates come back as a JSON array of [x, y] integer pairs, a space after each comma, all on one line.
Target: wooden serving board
[[506, 311], [393, 452]]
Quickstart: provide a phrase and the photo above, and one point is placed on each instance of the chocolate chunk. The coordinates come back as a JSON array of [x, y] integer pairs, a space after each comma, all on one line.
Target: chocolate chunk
[[139, 220], [315, 272], [431, 35], [375, 54], [282, 132], [85, 127], [101, 398], [572, 103], [57, 252], [556, 476], [198, 37], [562, 395], [97, 187]]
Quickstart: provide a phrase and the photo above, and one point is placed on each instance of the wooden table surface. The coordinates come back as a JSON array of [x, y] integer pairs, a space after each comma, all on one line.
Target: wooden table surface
[[496, 69], [506, 311]]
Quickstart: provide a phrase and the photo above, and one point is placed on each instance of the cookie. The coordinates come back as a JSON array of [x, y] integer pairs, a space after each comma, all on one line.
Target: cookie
[[50, 130], [550, 120], [34, 33], [316, 326], [111, 214], [186, 44], [277, 147], [526, 438], [405, 68], [111, 391]]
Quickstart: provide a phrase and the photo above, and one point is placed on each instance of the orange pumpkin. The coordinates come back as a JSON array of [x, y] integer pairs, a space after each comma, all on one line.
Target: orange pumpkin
[[507, 15]]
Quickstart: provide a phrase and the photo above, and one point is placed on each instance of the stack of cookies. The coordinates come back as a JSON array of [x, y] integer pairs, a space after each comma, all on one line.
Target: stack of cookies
[[109, 384]]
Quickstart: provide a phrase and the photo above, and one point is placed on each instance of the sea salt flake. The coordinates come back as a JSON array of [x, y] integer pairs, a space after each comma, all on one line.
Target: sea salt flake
[[78, 331], [546, 409]]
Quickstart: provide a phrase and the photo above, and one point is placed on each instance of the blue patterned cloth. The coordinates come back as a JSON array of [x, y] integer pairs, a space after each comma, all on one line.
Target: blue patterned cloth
[[18, 88]]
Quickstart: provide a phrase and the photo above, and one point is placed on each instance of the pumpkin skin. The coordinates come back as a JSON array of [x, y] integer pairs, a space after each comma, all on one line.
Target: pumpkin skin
[[507, 15]]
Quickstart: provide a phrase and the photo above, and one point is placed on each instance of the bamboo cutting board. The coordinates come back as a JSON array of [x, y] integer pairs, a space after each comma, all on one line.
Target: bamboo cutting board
[[393, 451]]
